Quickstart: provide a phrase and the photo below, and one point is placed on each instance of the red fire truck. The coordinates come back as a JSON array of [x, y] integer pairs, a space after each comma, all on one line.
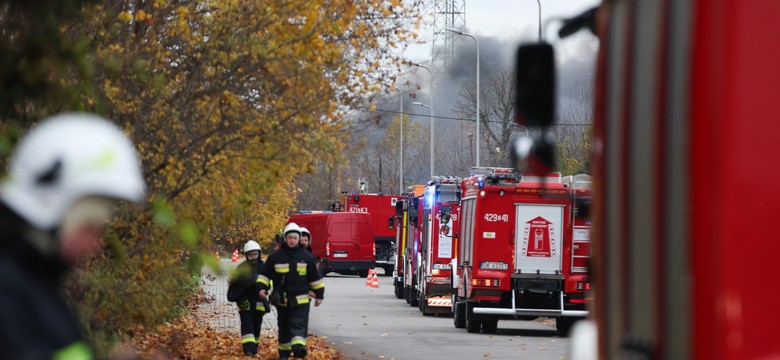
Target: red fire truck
[[439, 245], [381, 207], [404, 231], [518, 256], [411, 256], [685, 139]]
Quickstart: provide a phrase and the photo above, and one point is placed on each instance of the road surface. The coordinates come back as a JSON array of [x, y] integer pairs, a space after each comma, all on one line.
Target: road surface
[[367, 323]]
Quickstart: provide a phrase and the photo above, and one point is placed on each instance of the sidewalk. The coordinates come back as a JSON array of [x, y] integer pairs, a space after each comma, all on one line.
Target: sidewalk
[[220, 314]]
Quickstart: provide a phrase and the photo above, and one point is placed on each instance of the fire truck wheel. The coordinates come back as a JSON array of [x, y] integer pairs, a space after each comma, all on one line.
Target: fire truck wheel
[[473, 326], [399, 290], [563, 324], [490, 327], [414, 296], [459, 318], [363, 273], [406, 295]]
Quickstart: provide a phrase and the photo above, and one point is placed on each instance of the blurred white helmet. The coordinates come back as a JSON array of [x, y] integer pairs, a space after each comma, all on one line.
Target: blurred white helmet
[[66, 158], [292, 227], [305, 231], [251, 245]]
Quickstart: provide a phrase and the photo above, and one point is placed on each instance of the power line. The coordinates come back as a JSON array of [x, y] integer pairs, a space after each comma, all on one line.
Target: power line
[[451, 118]]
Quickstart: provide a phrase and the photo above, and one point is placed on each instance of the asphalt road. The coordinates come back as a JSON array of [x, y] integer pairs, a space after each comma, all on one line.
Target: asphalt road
[[367, 323]]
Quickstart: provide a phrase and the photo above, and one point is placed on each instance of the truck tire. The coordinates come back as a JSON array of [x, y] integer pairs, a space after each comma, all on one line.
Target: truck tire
[[564, 324], [407, 296], [459, 318], [363, 273], [414, 296], [399, 289], [490, 327], [473, 326]]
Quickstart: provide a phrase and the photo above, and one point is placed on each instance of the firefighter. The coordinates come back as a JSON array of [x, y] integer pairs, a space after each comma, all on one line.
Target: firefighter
[[306, 239], [63, 183], [292, 272], [241, 290]]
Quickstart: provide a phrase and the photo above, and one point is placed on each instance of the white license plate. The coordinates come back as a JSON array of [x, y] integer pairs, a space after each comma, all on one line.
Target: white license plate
[[340, 255]]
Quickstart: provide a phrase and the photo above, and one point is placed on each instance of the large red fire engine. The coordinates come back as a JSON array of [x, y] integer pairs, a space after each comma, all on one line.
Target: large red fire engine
[[404, 231], [411, 257], [685, 138], [439, 245], [524, 244], [380, 207]]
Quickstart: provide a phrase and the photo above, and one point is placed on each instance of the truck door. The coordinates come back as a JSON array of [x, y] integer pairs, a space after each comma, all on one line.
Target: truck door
[[538, 238]]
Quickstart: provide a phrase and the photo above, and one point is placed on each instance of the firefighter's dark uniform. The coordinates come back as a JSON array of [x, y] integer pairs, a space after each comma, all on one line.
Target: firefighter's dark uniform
[[250, 308], [293, 274], [35, 322]]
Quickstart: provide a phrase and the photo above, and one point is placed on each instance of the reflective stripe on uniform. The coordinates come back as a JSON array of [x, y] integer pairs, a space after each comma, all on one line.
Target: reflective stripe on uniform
[[316, 285], [302, 268], [248, 338], [260, 307], [303, 299], [282, 268], [299, 340], [285, 346], [76, 351], [263, 280]]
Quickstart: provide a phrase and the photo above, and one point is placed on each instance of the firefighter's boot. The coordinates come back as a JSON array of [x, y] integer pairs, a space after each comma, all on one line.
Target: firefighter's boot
[[299, 351]]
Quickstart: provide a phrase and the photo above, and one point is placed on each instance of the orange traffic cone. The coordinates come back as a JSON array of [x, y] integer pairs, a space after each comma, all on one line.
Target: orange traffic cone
[[375, 281], [216, 253], [235, 256], [368, 278]]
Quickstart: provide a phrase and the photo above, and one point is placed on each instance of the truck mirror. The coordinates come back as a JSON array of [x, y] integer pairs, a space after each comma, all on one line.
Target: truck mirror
[[535, 85], [390, 221], [445, 214], [399, 207]]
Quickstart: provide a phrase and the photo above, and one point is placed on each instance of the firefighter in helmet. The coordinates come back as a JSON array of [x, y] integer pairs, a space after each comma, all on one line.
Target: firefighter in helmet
[[295, 279], [241, 290], [63, 183]]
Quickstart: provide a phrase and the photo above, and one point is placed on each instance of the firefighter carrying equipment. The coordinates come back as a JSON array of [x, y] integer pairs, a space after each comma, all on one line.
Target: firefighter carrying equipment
[[251, 245]]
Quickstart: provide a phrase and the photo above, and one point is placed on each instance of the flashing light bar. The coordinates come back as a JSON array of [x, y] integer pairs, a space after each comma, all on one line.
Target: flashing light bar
[[485, 282], [494, 265]]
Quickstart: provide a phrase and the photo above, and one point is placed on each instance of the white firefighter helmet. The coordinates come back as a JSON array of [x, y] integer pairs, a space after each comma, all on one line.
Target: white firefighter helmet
[[292, 227], [66, 158], [305, 231], [251, 245]]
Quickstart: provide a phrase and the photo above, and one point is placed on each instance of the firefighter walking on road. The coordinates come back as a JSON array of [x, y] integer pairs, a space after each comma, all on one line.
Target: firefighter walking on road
[[59, 192], [241, 290], [295, 279]]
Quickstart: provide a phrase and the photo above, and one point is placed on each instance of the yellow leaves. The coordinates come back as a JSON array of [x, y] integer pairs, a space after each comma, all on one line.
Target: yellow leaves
[[372, 107], [142, 16], [125, 17]]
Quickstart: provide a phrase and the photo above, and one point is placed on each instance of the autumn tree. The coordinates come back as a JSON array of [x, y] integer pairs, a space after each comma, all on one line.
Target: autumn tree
[[227, 102]]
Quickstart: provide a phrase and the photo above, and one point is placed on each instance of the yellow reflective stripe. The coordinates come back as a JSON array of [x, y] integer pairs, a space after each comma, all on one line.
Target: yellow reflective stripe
[[298, 340], [264, 280], [248, 338], [76, 351], [282, 268], [260, 307], [316, 285], [285, 346], [303, 299]]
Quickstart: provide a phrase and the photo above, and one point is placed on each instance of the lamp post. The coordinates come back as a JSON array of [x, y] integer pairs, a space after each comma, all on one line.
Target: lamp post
[[540, 19], [401, 145], [431, 108], [458, 32]]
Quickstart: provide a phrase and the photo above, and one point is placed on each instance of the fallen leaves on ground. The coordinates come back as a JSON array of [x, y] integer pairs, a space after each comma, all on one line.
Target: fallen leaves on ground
[[188, 338]]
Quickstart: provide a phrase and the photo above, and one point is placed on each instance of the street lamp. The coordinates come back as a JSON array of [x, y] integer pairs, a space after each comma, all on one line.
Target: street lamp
[[540, 19], [477, 41], [401, 145], [431, 108]]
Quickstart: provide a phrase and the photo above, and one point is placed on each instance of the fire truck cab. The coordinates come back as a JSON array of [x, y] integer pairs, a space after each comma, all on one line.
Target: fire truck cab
[[518, 257], [439, 245], [404, 232]]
